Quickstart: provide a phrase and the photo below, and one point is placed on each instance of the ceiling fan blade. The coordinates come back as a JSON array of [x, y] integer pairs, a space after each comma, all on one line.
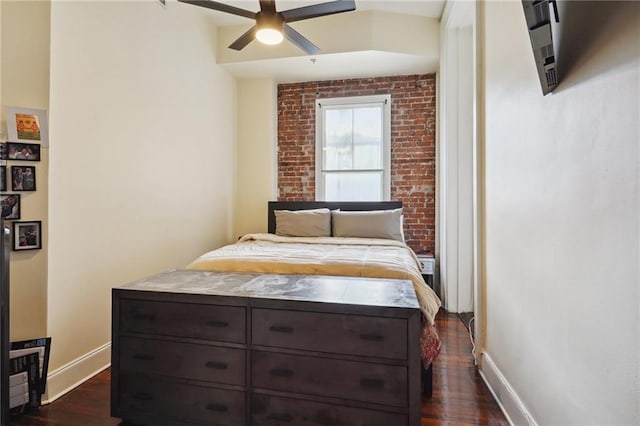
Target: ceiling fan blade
[[322, 9], [221, 7], [299, 40], [244, 39]]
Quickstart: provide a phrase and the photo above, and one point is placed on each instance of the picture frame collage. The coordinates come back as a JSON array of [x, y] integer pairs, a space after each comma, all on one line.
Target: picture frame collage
[[27, 133]]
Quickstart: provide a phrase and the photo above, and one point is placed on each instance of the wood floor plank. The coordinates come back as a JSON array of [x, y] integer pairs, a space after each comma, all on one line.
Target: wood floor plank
[[460, 397]]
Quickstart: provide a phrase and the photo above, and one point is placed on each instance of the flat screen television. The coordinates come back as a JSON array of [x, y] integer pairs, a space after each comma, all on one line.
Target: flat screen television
[[541, 26]]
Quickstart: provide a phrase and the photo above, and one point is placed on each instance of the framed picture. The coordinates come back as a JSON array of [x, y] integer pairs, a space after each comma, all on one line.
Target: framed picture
[[10, 206], [3, 155], [22, 151], [27, 125], [27, 235], [23, 178], [3, 178]]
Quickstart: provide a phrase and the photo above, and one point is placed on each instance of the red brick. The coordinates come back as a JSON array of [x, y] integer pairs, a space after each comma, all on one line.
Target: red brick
[[413, 172]]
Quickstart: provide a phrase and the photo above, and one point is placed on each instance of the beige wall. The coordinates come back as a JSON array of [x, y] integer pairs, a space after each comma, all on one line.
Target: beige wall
[[562, 216], [256, 164], [141, 161], [25, 82]]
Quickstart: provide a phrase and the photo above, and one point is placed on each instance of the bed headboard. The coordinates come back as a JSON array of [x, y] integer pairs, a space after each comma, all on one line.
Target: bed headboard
[[332, 205]]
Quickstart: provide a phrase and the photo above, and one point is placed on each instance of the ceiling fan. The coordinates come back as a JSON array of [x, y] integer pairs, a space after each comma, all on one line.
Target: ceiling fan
[[272, 26]]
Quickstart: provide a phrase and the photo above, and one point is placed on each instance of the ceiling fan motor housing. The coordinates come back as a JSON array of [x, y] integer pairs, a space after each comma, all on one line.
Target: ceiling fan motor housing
[[271, 20]]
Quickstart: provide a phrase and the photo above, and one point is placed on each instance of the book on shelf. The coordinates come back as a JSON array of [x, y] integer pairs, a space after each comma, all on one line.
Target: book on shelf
[[28, 364]]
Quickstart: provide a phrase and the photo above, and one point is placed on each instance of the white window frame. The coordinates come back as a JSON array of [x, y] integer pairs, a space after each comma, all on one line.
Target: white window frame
[[355, 101]]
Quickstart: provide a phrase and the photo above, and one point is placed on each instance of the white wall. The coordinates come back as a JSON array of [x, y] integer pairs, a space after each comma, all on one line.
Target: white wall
[[141, 161], [562, 217], [256, 154]]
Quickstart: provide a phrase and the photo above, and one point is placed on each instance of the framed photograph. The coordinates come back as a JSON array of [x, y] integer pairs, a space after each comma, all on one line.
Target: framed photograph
[[3, 178], [23, 178], [10, 206], [27, 125], [27, 235], [21, 151]]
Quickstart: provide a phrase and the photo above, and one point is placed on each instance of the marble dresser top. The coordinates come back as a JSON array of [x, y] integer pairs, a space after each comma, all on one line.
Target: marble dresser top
[[308, 288]]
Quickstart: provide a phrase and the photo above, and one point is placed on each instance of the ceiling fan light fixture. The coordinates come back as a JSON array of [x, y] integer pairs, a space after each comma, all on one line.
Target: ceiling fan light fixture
[[269, 36], [270, 28]]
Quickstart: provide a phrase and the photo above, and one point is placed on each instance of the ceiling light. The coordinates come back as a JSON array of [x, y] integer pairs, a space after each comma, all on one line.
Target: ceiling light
[[269, 36], [269, 28]]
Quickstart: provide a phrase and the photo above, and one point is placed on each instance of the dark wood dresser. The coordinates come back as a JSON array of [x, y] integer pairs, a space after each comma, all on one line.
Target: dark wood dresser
[[196, 347]]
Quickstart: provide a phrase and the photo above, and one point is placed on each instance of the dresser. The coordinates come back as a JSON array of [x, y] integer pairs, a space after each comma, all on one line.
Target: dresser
[[198, 347]]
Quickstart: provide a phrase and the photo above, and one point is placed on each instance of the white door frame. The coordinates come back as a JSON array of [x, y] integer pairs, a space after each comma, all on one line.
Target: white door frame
[[460, 164]]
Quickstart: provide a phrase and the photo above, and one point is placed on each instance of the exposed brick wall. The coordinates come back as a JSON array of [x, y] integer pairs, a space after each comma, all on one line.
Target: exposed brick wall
[[413, 149]]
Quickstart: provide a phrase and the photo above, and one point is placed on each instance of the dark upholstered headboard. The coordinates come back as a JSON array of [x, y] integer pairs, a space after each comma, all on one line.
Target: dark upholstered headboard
[[332, 205]]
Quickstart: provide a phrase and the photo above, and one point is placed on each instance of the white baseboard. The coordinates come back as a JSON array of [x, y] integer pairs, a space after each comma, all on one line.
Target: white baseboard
[[71, 375], [508, 400]]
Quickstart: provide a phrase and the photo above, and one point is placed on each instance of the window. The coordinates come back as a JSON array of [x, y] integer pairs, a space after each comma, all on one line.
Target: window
[[353, 148]]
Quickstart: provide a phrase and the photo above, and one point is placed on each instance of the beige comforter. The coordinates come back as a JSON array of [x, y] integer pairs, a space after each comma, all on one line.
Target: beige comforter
[[355, 257]]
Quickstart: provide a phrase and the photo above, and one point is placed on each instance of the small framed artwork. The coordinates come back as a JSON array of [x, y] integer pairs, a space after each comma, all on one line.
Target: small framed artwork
[[23, 178], [3, 178], [10, 206], [27, 235], [27, 125], [22, 151]]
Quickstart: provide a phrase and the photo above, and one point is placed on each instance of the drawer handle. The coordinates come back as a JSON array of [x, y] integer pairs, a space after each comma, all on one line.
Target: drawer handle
[[144, 357], [216, 365], [143, 396], [366, 382], [217, 324], [217, 407], [146, 317], [281, 417], [372, 337], [281, 329], [281, 372]]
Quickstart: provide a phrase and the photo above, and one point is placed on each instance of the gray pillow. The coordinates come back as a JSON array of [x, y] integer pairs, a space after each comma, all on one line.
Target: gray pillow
[[368, 224], [303, 223]]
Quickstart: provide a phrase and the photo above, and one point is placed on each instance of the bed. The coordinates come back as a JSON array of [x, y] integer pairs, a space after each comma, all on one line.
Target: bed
[[295, 245]]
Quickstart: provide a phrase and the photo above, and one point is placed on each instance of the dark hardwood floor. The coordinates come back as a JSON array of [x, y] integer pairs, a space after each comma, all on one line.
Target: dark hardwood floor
[[460, 397]]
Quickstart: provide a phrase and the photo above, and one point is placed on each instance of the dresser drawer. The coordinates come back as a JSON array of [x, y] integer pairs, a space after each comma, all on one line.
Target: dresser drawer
[[334, 333], [200, 321], [271, 411], [183, 360], [155, 402], [360, 381]]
